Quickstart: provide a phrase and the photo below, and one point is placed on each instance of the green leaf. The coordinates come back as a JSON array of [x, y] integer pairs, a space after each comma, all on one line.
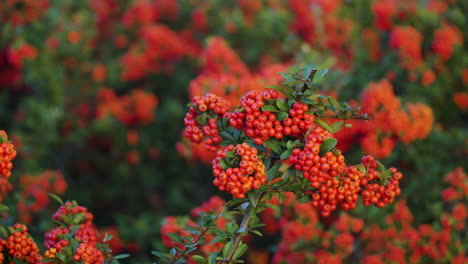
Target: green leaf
[[227, 248], [224, 164], [258, 233], [361, 168], [305, 199], [199, 259], [323, 125], [282, 106], [252, 199], [319, 75], [3, 208], [212, 257], [337, 126], [284, 166], [3, 231], [271, 173], [286, 154], [273, 145], [335, 105], [107, 237], [227, 136], [270, 108], [288, 173], [380, 166], [239, 251], [281, 116], [56, 198], [122, 256], [202, 119], [348, 125], [176, 238], [327, 145]]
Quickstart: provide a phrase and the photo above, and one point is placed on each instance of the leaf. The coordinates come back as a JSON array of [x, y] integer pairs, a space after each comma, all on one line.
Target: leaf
[[258, 233], [335, 105], [327, 145], [361, 168], [348, 125], [239, 251], [227, 248], [281, 116], [227, 136], [323, 125], [3, 208], [173, 251], [252, 200], [306, 100], [122, 256], [271, 173], [286, 154], [212, 257], [284, 166], [282, 106], [305, 199], [307, 73], [380, 167], [273, 145], [56, 198], [224, 164], [201, 119], [337, 126], [199, 259], [107, 237], [270, 108], [319, 75], [175, 237], [288, 173]]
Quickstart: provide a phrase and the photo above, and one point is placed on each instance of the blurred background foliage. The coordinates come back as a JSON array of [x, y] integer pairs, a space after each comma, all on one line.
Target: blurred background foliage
[[97, 90]]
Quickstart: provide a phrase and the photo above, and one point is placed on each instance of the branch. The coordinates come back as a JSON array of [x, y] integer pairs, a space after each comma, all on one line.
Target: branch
[[184, 253], [304, 86], [245, 226]]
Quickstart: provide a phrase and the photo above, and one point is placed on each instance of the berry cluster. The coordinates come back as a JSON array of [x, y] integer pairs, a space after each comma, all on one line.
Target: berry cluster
[[374, 192], [7, 154], [299, 122], [261, 124], [238, 169], [20, 246], [71, 214], [325, 173], [201, 122], [89, 254], [338, 184], [256, 123], [314, 167]]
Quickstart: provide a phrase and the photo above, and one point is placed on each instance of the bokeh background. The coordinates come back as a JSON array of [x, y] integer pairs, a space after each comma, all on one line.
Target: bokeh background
[[93, 95]]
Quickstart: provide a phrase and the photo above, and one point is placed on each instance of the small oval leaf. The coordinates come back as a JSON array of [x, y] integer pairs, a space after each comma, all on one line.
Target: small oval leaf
[[327, 145]]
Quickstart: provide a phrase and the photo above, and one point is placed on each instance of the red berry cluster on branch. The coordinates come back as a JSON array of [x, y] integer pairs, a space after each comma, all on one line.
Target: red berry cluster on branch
[[201, 122], [256, 123], [262, 124], [88, 253], [326, 173], [86, 234], [242, 171], [7, 154], [20, 246], [374, 192]]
